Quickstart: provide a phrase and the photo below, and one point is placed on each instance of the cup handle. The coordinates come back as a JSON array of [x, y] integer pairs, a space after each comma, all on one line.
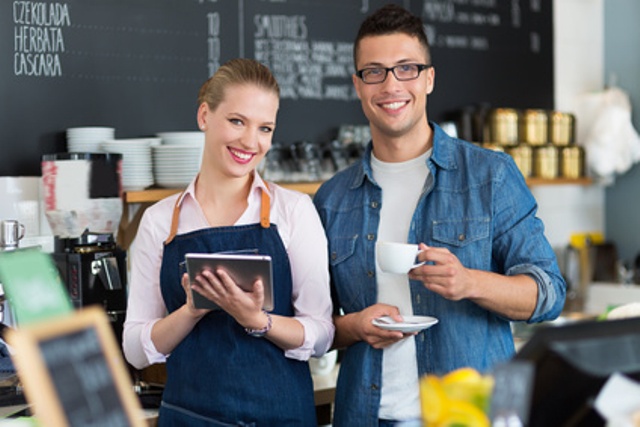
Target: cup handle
[[22, 231], [418, 265]]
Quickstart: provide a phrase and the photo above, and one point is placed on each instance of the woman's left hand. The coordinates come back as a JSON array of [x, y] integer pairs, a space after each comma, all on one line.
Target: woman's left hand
[[195, 312], [244, 306]]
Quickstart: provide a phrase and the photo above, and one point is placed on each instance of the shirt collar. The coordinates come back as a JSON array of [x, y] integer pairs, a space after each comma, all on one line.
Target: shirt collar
[[257, 186], [441, 156]]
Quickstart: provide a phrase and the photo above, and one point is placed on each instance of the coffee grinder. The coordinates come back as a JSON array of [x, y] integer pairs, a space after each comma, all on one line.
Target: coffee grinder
[[83, 205]]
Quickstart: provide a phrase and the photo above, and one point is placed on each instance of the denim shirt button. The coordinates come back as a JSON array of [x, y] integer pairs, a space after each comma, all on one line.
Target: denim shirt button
[[371, 236], [374, 205], [370, 273], [461, 237], [334, 256], [374, 386]]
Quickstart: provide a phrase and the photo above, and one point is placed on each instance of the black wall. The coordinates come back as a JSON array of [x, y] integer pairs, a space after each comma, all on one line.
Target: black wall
[[137, 65]]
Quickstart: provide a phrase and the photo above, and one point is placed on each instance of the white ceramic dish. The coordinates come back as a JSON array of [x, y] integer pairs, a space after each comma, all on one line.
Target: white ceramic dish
[[409, 325]]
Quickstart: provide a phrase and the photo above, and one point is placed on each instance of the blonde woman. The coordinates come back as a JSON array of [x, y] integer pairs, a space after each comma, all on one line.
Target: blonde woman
[[239, 365]]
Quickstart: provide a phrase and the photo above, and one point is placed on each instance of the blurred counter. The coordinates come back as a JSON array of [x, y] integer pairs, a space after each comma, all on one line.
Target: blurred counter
[[603, 296]]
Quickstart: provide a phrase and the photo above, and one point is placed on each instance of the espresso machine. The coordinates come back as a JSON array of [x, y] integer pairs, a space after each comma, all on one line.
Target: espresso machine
[[94, 270]]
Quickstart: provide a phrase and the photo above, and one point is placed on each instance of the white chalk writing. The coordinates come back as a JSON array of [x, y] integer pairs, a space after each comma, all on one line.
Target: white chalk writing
[[305, 68], [38, 39]]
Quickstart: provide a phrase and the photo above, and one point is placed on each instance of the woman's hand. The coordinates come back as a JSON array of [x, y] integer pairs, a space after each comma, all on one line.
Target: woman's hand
[[244, 306], [192, 310]]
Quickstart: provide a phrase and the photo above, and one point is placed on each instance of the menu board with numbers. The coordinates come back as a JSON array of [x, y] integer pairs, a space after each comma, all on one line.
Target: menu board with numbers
[[137, 65]]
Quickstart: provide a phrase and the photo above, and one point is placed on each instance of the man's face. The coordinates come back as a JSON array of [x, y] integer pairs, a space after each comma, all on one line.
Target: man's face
[[394, 108]]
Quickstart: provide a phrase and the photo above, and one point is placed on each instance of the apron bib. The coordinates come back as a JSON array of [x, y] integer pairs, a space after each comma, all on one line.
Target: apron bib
[[219, 375]]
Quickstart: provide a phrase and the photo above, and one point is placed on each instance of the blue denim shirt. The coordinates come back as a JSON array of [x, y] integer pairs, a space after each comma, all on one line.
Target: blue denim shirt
[[474, 203]]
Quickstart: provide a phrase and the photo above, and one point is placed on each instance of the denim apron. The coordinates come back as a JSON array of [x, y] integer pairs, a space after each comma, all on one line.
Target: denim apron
[[219, 375]]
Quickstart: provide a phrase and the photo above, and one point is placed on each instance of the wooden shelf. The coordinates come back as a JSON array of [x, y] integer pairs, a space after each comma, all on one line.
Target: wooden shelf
[[149, 195], [152, 195], [533, 182]]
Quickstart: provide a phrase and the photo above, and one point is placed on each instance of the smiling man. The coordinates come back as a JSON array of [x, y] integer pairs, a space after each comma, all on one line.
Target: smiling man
[[487, 261]]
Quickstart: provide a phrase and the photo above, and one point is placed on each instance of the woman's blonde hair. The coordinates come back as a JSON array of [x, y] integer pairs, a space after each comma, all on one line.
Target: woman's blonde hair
[[236, 72]]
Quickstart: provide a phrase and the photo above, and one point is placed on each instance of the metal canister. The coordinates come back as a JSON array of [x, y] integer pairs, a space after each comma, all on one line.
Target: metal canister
[[545, 162], [493, 147], [523, 157], [502, 126], [572, 161], [561, 128], [533, 128]]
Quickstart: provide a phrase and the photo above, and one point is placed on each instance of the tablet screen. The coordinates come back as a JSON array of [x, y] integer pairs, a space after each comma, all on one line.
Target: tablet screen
[[244, 269]]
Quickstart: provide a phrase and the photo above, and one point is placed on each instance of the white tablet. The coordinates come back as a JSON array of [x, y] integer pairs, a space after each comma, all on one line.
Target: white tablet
[[244, 269]]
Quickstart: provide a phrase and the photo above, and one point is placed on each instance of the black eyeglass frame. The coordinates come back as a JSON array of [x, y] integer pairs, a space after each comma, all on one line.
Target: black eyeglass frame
[[421, 68]]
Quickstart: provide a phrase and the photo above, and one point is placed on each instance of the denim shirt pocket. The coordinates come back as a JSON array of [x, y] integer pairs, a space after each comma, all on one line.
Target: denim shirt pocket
[[343, 261], [467, 238], [341, 248]]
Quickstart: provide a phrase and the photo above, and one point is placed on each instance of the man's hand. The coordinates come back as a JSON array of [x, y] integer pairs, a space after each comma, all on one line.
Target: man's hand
[[443, 273], [358, 326]]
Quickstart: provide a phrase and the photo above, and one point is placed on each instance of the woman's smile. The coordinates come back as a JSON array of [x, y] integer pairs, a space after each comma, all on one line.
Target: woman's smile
[[241, 156]]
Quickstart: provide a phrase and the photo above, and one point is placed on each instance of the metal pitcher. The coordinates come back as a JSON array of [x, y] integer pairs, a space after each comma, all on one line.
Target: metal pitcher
[[11, 232]]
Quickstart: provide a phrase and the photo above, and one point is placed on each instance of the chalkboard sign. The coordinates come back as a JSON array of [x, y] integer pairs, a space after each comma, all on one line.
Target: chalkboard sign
[[136, 65], [73, 372]]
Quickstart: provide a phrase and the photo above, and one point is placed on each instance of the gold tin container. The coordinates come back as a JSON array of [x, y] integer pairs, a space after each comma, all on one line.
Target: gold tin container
[[572, 161], [545, 162], [523, 157], [502, 126], [561, 128], [533, 128], [492, 146]]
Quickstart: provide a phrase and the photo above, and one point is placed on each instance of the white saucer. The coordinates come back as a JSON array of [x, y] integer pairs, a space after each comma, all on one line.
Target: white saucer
[[410, 323]]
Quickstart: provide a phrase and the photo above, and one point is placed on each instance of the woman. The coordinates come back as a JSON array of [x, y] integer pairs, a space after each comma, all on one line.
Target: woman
[[239, 365]]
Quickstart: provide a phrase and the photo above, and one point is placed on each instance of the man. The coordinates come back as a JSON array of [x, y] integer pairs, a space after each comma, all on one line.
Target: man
[[487, 260]]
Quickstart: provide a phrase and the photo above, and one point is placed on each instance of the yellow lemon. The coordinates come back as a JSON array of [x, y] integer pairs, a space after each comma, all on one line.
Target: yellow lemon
[[434, 401], [462, 375], [463, 414], [469, 385]]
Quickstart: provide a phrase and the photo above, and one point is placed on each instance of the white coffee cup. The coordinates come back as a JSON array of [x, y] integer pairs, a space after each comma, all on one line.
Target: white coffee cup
[[394, 257], [325, 364]]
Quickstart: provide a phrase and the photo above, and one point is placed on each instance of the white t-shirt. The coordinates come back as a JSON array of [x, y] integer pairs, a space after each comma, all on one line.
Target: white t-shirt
[[402, 185]]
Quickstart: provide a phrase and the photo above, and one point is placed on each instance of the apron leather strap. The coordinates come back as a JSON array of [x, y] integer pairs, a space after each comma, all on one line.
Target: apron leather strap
[[265, 208], [265, 218], [175, 219]]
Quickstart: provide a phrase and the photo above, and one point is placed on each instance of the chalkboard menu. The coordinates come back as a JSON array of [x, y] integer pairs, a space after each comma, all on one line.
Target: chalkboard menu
[[73, 372], [136, 65]]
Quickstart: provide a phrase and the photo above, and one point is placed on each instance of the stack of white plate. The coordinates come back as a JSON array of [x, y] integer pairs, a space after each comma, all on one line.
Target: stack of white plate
[[87, 139], [137, 166], [174, 166], [179, 138]]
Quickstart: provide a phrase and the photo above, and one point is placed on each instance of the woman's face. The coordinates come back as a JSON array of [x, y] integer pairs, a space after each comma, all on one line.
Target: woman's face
[[239, 131]]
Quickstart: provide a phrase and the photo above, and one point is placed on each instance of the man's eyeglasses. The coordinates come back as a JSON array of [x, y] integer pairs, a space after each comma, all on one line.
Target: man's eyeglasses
[[402, 72]]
